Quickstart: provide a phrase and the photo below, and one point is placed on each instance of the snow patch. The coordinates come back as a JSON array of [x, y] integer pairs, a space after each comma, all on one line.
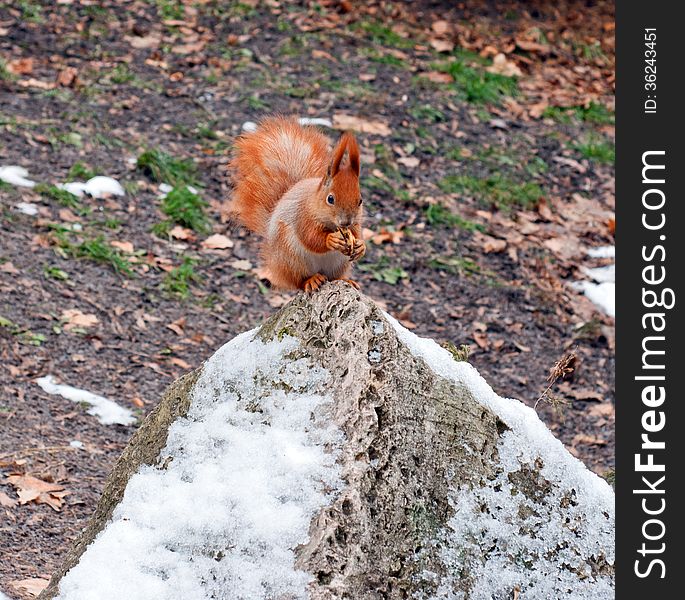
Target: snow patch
[[602, 294], [250, 466], [602, 289], [602, 252], [107, 411], [97, 187], [165, 188], [315, 121], [251, 126], [26, 208], [15, 175], [575, 496]]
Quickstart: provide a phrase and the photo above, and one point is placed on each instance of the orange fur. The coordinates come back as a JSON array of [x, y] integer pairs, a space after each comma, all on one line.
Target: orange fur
[[283, 176], [268, 162]]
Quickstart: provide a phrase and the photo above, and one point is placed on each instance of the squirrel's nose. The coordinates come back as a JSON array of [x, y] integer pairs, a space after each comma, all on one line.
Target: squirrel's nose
[[346, 222]]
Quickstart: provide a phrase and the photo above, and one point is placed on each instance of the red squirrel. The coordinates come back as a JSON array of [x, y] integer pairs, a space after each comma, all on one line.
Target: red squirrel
[[297, 195]]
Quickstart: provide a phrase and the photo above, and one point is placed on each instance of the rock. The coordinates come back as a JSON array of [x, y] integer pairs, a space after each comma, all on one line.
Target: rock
[[332, 454]]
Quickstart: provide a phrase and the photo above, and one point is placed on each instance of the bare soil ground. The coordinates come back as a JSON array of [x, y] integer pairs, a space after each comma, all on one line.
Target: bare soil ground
[[486, 178]]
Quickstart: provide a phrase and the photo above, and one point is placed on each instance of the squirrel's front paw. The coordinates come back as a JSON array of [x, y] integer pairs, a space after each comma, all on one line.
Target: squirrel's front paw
[[336, 241], [358, 250]]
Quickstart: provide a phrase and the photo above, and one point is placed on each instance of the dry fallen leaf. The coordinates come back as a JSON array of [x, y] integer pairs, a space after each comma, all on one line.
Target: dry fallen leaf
[[409, 161], [188, 48], [20, 66], [177, 326], [490, 244], [33, 586], [342, 121], [481, 339], [181, 233], [440, 27], [36, 83], [6, 501], [529, 46], [581, 438], [9, 268], [123, 246], [179, 362], [75, 318], [442, 45], [384, 235], [603, 409], [217, 241], [241, 265], [501, 66], [32, 489], [438, 77], [67, 77]]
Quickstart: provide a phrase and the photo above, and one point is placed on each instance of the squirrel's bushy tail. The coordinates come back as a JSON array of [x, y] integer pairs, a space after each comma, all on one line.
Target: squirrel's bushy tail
[[268, 162]]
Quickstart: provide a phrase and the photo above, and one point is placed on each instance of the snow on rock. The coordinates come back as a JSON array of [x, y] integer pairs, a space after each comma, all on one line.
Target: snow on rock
[[97, 187], [249, 467], [107, 411], [16, 176], [539, 544], [334, 454]]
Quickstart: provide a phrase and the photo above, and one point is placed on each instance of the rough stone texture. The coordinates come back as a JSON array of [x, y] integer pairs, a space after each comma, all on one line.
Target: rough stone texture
[[405, 429], [410, 435], [143, 449]]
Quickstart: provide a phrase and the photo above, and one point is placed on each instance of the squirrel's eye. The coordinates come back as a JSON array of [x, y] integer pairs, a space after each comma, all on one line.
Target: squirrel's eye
[[330, 199]]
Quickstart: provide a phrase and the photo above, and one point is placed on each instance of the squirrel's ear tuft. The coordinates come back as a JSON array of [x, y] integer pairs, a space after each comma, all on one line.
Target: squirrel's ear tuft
[[346, 144], [353, 153]]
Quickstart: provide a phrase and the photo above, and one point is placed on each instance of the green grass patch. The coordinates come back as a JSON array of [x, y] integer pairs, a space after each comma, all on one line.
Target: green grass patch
[[383, 58], [459, 353], [178, 281], [164, 168], [186, 208], [170, 9], [98, 250], [596, 148], [439, 215], [477, 86], [55, 273], [595, 113], [383, 271], [5, 74], [59, 195], [456, 265], [383, 36], [26, 336], [31, 11], [428, 113], [496, 189], [80, 171]]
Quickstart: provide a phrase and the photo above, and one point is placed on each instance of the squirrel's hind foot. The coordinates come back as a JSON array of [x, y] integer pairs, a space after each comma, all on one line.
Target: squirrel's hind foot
[[314, 282]]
